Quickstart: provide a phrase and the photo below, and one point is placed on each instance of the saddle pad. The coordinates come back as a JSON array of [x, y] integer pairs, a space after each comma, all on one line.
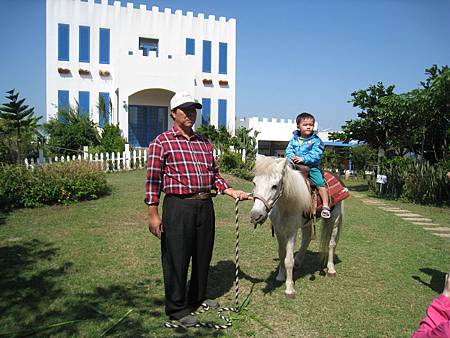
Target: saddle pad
[[337, 191]]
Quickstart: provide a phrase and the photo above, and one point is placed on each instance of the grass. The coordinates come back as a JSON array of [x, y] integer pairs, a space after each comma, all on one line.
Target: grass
[[93, 268]]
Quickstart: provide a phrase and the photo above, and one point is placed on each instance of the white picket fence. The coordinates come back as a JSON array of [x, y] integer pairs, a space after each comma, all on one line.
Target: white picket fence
[[109, 162]]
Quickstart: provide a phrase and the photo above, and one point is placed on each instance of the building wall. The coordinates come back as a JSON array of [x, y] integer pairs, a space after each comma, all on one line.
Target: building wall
[[170, 71]]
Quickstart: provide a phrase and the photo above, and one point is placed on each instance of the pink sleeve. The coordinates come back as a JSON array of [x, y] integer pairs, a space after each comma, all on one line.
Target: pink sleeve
[[436, 322]]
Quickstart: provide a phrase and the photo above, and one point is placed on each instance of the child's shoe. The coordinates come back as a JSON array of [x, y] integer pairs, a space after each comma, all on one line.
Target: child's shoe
[[325, 212]]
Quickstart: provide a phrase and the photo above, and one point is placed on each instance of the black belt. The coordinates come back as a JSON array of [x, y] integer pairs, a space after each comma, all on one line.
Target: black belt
[[196, 196]]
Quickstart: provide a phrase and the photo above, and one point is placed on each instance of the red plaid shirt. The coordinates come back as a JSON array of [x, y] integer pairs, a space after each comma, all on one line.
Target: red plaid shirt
[[177, 165]]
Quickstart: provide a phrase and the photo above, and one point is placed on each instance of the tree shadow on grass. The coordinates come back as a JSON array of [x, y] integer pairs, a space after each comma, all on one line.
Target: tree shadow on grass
[[32, 299], [3, 215], [359, 187], [26, 289], [437, 279], [312, 265]]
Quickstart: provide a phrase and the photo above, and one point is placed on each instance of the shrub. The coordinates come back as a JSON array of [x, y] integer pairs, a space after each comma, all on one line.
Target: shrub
[[111, 140], [70, 131], [54, 183], [418, 182], [231, 162]]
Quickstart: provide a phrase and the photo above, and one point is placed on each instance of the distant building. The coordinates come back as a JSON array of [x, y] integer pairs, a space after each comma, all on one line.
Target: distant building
[[275, 134], [136, 59]]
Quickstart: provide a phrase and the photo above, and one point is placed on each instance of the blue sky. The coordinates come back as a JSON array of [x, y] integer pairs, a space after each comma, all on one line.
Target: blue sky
[[292, 56]]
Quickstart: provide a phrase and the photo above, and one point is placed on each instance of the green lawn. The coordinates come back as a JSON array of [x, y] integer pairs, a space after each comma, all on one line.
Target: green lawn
[[95, 261]]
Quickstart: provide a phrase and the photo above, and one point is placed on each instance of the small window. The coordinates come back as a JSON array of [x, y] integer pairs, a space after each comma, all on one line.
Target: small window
[[222, 112], [148, 45], [63, 42], [206, 111], [190, 46], [206, 67], [223, 50], [63, 101], [83, 103], [104, 45], [84, 44], [103, 109]]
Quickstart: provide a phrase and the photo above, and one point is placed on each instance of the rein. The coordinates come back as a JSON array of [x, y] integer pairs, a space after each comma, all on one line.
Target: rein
[[205, 307]]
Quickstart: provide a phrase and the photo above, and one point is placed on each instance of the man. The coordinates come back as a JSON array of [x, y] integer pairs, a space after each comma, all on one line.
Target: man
[[181, 164]]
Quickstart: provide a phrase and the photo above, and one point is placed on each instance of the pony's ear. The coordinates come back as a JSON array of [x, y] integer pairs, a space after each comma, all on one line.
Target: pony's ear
[[281, 164], [286, 164]]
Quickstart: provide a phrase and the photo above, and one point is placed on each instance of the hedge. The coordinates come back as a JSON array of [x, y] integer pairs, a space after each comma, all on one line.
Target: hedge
[[418, 182], [55, 183]]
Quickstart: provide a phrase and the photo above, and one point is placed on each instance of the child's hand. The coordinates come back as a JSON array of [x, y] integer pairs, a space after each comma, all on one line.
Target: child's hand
[[297, 159]]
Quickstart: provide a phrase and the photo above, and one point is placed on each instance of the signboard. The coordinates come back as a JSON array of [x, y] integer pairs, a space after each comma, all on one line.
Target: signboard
[[382, 179]]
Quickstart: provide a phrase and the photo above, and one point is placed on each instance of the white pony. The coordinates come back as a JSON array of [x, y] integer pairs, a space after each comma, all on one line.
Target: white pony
[[281, 193]]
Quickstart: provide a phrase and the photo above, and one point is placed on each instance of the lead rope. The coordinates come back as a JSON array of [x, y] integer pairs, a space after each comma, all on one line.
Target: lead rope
[[205, 307]]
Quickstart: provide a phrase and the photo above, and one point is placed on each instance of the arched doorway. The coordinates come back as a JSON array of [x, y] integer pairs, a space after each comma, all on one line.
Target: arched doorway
[[148, 115]]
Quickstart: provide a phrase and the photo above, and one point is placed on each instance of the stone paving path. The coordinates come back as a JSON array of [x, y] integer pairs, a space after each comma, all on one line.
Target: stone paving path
[[417, 219]]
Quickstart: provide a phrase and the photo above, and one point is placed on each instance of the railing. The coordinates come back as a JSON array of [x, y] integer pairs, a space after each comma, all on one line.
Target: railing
[[109, 162]]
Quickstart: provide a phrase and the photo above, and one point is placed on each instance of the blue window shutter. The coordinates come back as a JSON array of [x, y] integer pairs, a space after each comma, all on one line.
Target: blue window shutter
[[190, 46], [83, 102], [223, 54], [206, 56], [206, 111], [101, 121], [104, 45], [63, 42], [84, 44], [63, 102], [222, 112]]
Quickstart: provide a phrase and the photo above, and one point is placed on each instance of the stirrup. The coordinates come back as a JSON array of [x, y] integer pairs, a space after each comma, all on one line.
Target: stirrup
[[325, 213]]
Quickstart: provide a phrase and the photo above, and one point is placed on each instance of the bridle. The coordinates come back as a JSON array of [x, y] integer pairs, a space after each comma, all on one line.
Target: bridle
[[269, 205]]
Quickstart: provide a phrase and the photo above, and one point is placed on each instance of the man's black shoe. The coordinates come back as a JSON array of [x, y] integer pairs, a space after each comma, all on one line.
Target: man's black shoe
[[210, 303], [188, 320]]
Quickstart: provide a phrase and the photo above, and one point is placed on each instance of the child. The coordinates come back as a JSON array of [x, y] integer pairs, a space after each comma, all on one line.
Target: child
[[306, 148]]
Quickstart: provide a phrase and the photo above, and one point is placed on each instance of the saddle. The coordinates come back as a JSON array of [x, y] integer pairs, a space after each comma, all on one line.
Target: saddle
[[337, 191]]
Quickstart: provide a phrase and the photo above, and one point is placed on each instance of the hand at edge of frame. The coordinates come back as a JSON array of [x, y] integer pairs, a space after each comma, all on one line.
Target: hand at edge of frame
[[446, 291]]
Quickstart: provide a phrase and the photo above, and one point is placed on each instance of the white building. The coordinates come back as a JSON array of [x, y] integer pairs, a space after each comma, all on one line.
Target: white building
[[136, 59], [275, 134]]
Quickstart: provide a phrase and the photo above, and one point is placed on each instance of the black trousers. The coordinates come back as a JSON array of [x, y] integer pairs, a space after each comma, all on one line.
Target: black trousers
[[189, 227]]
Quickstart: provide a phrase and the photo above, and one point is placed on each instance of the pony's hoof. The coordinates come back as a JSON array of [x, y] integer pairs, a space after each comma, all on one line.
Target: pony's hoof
[[290, 295], [331, 274]]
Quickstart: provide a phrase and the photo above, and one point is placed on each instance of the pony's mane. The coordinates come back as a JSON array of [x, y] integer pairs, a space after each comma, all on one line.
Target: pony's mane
[[295, 189], [266, 166]]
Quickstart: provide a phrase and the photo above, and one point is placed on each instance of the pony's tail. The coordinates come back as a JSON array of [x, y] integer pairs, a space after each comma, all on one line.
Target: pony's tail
[[330, 226]]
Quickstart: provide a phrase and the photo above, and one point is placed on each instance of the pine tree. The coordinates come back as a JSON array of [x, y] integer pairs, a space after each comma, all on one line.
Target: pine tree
[[18, 121]]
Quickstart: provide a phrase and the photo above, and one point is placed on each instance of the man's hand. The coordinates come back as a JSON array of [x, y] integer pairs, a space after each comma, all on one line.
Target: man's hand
[[154, 221], [297, 159], [242, 195]]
